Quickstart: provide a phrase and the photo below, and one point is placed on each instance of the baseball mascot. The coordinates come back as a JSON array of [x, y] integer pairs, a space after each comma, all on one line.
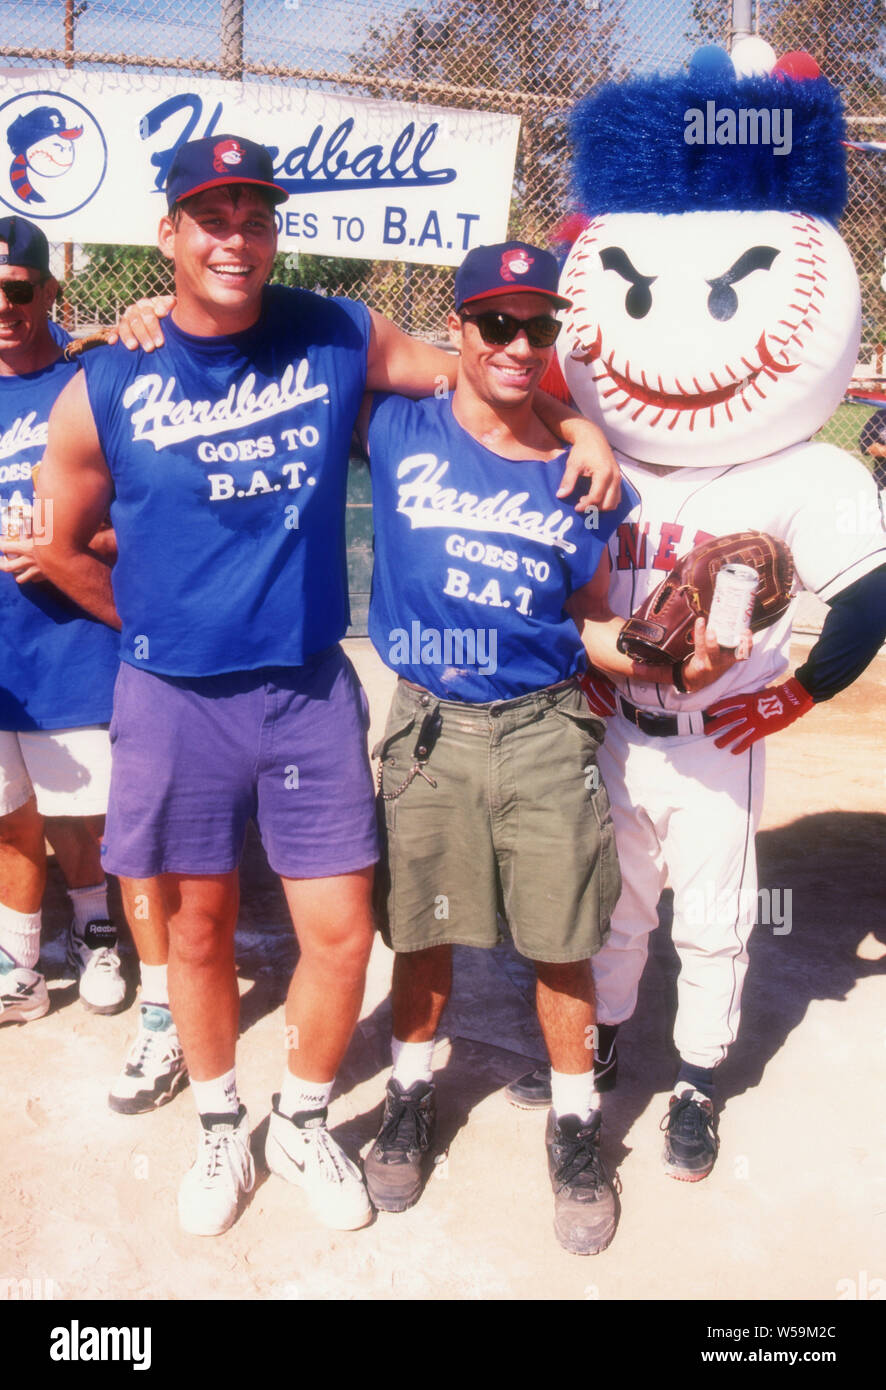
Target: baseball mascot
[[714, 326]]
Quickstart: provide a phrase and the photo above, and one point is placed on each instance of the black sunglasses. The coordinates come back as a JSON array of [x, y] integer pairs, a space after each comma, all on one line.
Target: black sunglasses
[[18, 291], [500, 329]]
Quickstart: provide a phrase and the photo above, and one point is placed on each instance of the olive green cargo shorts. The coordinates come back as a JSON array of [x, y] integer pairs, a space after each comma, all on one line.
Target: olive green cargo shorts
[[506, 813]]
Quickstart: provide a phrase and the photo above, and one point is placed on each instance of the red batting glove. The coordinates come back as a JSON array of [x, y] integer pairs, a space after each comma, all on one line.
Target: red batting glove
[[599, 692], [748, 718]]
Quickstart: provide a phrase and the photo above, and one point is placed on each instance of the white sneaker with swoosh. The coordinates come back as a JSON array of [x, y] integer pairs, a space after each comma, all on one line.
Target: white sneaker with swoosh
[[210, 1193], [302, 1151]]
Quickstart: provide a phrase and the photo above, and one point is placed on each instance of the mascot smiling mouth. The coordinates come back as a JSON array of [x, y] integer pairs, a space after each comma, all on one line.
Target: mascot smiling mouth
[[681, 399]]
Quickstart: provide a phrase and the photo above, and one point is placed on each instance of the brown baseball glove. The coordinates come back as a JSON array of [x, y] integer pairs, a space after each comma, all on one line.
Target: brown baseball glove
[[77, 346], [661, 628]]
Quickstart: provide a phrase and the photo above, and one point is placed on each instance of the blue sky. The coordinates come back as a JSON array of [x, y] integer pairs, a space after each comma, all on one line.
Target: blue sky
[[315, 33]]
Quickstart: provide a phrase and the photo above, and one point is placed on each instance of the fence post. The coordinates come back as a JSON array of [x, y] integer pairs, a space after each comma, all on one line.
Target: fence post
[[232, 39]]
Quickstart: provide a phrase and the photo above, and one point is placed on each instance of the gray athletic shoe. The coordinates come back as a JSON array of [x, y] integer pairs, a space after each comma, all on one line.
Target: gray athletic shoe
[[585, 1204]]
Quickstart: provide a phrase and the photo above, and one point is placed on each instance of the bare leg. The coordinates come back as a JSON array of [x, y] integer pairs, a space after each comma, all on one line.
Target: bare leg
[[333, 922], [22, 858], [76, 841], [566, 1005], [202, 914], [422, 984], [144, 903]]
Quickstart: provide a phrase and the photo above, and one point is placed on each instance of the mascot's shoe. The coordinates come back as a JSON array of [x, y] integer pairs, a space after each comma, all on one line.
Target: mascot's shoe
[[585, 1204], [395, 1164], [690, 1146], [532, 1091]]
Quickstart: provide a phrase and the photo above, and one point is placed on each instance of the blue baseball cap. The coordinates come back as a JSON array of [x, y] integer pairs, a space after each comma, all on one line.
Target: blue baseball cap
[[25, 244], [511, 267], [217, 160], [35, 125]]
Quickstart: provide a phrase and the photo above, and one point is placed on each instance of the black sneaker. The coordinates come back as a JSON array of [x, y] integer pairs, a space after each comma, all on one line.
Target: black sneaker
[[533, 1090], [585, 1207], [690, 1145], [394, 1165]]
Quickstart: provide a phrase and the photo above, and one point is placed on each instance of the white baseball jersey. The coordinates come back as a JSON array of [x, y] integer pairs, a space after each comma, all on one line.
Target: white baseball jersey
[[818, 499]]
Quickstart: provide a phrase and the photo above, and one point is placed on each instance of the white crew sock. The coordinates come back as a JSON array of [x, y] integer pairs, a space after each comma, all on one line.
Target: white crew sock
[[574, 1094], [20, 936], [218, 1096], [412, 1061], [155, 989], [89, 904], [297, 1095]]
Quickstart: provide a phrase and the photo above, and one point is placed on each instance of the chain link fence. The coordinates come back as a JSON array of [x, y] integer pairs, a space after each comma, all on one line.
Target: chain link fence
[[534, 58]]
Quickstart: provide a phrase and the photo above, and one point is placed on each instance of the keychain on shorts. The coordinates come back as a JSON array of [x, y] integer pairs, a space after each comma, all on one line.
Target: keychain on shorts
[[424, 744]]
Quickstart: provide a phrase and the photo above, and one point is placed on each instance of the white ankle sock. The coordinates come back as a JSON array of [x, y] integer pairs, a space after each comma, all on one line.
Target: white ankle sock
[[89, 904], [412, 1061], [218, 1096], [20, 935], [155, 989], [297, 1095], [573, 1094]]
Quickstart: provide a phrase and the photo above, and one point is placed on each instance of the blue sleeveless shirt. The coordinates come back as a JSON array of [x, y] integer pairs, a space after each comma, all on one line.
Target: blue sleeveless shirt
[[57, 665], [475, 556], [229, 457]]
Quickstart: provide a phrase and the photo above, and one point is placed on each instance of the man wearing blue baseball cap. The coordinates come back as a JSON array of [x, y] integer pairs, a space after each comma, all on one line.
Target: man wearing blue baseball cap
[[57, 669], [224, 456], [485, 587]]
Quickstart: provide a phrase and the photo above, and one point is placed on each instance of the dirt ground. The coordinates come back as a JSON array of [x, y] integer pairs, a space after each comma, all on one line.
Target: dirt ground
[[795, 1207]]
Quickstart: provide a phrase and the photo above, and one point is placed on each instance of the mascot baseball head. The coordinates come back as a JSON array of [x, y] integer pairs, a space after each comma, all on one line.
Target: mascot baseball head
[[715, 309]]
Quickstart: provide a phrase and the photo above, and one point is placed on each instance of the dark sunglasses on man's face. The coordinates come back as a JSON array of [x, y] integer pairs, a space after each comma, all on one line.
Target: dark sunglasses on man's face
[[500, 329], [18, 291]]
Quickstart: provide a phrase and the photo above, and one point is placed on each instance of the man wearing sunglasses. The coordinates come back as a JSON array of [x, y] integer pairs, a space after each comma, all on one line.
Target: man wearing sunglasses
[[57, 668], [491, 795]]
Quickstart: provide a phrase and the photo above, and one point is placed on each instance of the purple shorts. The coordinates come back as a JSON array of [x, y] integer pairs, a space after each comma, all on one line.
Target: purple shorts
[[194, 760]]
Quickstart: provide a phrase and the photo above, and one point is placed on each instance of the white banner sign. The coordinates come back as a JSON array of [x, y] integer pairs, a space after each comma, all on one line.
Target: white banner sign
[[88, 155]]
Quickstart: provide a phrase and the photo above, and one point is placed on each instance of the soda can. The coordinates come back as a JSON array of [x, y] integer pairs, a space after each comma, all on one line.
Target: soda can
[[17, 521], [733, 603]]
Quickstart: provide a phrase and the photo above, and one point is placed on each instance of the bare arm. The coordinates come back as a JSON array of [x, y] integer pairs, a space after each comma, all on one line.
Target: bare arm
[[75, 488], [406, 365], [599, 628], [589, 457]]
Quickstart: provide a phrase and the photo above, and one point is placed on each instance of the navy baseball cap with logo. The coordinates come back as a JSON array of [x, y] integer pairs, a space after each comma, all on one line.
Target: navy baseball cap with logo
[[25, 244], [216, 160], [511, 267], [36, 125]]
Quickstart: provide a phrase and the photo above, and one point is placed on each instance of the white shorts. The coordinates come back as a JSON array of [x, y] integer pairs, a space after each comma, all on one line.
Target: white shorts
[[68, 770]]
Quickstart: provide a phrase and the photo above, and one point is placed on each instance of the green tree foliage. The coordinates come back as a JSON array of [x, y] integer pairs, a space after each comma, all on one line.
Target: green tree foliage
[[113, 278], [534, 58]]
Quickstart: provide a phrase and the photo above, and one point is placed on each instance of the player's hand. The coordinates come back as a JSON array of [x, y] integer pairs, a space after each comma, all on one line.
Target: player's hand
[[747, 718], [591, 457], [139, 325], [709, 661], [20, 558], [599, 692]]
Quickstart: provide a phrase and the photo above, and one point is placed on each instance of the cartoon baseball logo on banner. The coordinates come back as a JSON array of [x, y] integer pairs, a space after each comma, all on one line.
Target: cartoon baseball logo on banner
[[57, 155]]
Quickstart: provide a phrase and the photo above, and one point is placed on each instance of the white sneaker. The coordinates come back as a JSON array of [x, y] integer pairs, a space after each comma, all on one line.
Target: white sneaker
[[92, 955], [209, 1196], [23, 995], [154, 1069], [302, 1151]]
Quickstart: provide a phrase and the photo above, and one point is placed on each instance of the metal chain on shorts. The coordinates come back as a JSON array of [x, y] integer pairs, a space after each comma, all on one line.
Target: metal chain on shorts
[[427, 737]]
